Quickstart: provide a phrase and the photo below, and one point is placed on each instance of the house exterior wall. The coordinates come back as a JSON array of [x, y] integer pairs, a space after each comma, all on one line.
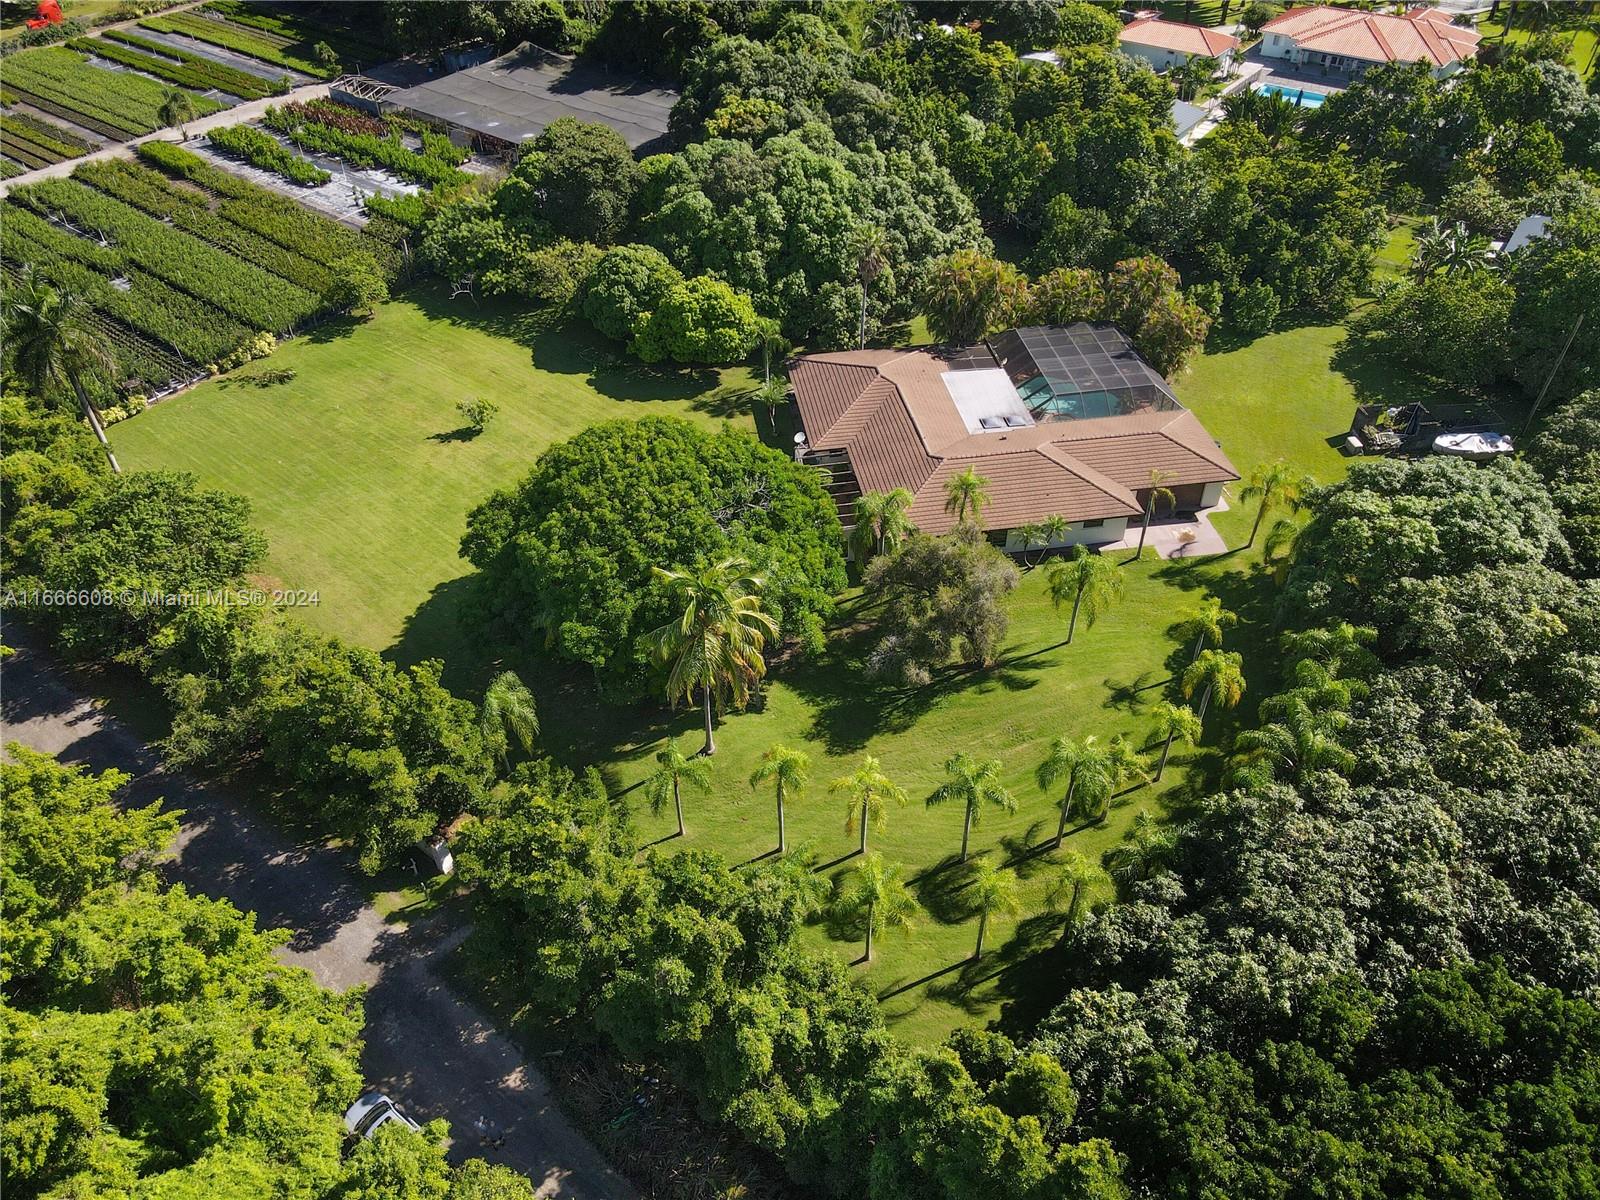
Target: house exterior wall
[[1164, 60], [1278, 45], [1211, 494], [1112, 529]]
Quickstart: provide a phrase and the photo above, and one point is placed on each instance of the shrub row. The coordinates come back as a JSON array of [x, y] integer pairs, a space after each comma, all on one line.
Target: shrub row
[[199, 73], [265, 151], [220, 32], [304, 27], [9, 169], [28, 39], [342, 117], [151, 192], [408, 211], [251, 294], [42, 133], [7, 96], [127, 102], [366, 150], [29, 155]]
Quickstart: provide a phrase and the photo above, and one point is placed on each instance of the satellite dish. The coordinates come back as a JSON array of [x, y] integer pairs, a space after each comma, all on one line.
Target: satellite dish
[[800, 438]]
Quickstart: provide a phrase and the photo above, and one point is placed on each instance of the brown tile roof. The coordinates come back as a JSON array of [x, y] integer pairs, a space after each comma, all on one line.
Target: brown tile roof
[[1151, 30], [1423, 34], [890, 412]]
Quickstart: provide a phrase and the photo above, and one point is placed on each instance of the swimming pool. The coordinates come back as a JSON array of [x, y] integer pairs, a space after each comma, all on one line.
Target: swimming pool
[[1298, 96]]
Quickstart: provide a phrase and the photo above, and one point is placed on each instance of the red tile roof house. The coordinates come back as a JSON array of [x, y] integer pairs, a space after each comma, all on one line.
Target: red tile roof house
[[1167, 44], [1341, 39], [1063, 419]]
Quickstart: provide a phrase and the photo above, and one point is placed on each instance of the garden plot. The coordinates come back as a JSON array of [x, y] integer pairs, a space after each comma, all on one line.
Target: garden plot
[[181, 44], [340, 198]]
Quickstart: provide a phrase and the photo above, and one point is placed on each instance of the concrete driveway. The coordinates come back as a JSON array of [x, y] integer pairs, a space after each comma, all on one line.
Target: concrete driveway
[[426, 1045]]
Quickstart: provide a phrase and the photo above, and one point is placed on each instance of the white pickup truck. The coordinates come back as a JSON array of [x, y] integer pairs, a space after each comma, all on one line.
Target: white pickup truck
[[371, 1113]]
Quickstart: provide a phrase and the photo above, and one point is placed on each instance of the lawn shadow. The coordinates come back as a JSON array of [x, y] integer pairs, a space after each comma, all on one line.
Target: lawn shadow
[[941, 889], [464, 433]]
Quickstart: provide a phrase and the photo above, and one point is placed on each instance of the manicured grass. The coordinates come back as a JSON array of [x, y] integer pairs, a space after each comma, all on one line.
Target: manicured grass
[[1581, 42], [1394, 258]]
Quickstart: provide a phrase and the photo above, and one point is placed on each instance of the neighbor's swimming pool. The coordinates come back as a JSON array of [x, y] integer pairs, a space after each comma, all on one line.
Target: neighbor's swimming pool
[[1298, 96]]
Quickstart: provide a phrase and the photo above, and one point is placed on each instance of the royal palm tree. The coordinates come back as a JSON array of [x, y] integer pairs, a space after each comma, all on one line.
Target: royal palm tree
[[675, 770], [51, 344], [966, 492], [973, 783], [1075, 875], [877, 891], [715, 646], [1085, 767], [769, 336], [868, 793], [1274, 484], [1206, 624], [872, 259], [177, 109], [1218, 673], [994, 893], [1089, 580], [881, 522], [1145, 852], [1174, 721], [1155, 494], [787, 770], [508, 711]]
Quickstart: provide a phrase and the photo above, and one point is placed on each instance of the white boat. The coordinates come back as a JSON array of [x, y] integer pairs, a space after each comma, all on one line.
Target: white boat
[[1476, 447]]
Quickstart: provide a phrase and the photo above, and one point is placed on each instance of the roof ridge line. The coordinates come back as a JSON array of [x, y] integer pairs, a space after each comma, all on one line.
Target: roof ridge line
[[1095, 479]]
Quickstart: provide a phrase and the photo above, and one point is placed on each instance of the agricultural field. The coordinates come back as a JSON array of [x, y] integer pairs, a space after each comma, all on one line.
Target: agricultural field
[[365, 141], [114, 104], [27, 143], [288, 42], [178, 66]]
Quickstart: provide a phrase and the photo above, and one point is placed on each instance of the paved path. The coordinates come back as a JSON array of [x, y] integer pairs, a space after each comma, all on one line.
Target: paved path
[[248, 111], [425, 1045]]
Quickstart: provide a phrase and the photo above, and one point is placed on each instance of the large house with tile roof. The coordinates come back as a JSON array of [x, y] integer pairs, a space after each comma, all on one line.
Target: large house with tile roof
[[1062, 420], [1342, 39], [1167, 44]]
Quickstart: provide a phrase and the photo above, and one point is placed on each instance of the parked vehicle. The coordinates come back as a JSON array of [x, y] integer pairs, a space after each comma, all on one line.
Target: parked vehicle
[[371, 1113]]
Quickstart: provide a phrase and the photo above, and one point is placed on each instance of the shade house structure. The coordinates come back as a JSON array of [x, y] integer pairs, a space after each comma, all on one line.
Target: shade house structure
[[1080, 371]]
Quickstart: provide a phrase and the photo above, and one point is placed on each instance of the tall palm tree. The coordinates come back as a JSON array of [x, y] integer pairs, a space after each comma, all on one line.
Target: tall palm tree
[[667, 782], [877, 890], [1206, 625], [994, 893], [769, 336], [966, 492], [51, 344], [715, 646], [1174, 721], [1156, 493], [787, 769], [1218, 673], [508, 711], [881, 522], [1279, 546], [177, 109], [1274, 484], [1076, 874], [1085, 766], [872, 259], [867, 792], [1089, 580], [973, 783], [1145, 852]]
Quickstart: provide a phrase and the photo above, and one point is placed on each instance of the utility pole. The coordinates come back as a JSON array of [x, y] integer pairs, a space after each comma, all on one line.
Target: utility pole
[[1550, 378]]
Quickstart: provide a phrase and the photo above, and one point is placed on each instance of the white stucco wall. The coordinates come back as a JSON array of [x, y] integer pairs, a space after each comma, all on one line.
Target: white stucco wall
[[1113, 530], [1211, 494], [1277, 45], [1160, 59]]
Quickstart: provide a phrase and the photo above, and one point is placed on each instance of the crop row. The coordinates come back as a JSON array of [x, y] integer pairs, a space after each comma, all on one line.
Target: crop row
[[239, 38], [188, 325], [128, 103], [9, 169], [152, 193], [366, 150], [42, 133], [304, 27], [200, 74], [8, 96], [265, 151], [251, 294]]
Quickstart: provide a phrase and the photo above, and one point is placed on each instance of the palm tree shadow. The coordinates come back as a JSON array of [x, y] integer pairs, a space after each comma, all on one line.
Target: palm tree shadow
[[941, 890], [1128, 697]]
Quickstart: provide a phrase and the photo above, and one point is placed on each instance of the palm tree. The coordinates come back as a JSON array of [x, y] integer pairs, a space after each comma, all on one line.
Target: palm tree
[[1206, 624], [881, 522], [676, 769], [994, 893], [1146, 851], [52, 344], [1029, 536], [508, 711], [1278, 548], [876, 889], [716, 645], [867, 791], [973, 783], [1274, 484], [1218, 673], [1053, 528], [1157, 492], [872, 259], [966, 491], [1302, 739], [177, 109], [1174, 721], [1087, 771], [1076, 874], [1091, 581], [787, 769], [1343, 648], [769, 336]]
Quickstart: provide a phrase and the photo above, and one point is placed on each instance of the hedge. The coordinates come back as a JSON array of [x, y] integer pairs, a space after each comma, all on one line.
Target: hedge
[[191, 70], [265, 151]]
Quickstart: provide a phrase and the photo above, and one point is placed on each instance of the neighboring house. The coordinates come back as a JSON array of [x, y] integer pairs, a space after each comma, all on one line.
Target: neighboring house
[[1530, 229], [1341, 39], [1061, 419], [1168, 44], [1186, 121]]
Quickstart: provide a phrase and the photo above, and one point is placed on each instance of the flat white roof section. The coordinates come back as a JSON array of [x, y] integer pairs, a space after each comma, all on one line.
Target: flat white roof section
[[987, 401]]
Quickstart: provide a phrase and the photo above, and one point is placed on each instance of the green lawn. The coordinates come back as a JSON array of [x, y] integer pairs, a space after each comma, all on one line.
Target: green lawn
[[1581, 42], [363, 493]]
